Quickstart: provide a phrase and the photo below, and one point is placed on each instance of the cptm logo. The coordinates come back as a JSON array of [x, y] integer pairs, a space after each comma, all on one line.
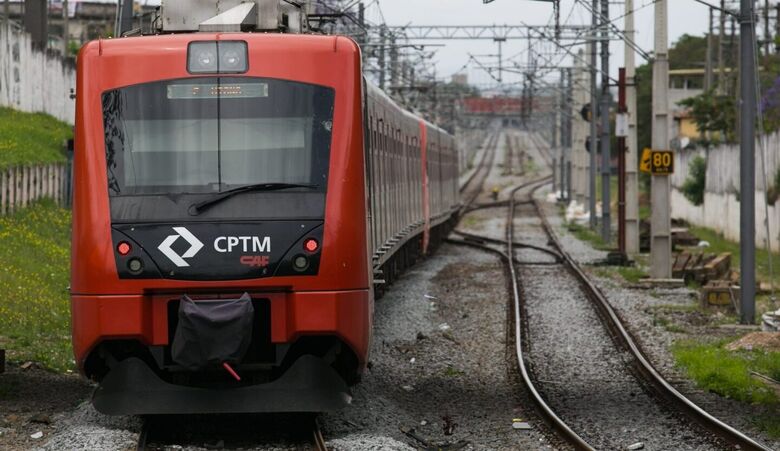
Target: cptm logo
[[178, 260]]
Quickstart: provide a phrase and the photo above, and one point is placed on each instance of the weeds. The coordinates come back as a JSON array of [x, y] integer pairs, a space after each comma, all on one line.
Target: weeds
[[727, 373], [34, 273]]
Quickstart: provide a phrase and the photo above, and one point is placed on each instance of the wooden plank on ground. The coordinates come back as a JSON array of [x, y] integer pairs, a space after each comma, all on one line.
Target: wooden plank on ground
[[678, 269], [718, 267]]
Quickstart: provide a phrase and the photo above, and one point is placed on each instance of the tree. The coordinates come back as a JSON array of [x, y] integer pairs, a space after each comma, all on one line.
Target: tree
[[713, 113]]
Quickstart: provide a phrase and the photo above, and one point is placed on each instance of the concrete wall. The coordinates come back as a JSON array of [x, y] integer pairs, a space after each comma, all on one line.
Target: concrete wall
[[33, 80], [720, 210]]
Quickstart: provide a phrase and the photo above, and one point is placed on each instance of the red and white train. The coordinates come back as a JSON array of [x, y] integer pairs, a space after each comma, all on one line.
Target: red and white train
[[238, 197]]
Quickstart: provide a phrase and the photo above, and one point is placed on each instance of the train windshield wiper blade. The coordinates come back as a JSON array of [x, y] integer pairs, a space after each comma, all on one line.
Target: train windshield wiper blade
[[196, 209]]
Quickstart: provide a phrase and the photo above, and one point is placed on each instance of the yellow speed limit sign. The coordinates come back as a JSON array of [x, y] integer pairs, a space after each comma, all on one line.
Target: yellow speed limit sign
[[657, 162]]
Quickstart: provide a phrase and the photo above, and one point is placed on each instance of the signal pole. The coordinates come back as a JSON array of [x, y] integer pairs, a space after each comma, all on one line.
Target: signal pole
[[593, 114], [660, 224], [632, 184], [747, 182]]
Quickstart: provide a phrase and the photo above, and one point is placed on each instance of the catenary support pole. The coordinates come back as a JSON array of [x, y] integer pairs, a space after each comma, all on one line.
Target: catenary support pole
[[708, 56], [594, 102], [606, 163], [721, 45], [621, 151], [632, 151], [660, 224], [747, 182]]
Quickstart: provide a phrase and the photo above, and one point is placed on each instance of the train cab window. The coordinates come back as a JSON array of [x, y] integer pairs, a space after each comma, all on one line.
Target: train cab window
[[198, 136]]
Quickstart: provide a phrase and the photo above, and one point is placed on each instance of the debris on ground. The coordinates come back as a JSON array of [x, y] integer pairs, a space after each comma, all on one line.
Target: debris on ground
[[770, 321], [518, 423], [635, 446], [37, 435], [702, 267], [767, 341], [26, 365], [449, 425], [577, 214], [41, 418]]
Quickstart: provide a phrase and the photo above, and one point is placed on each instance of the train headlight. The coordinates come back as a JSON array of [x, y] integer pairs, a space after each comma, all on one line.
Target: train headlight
[[212, 57], [135, 266], [300, 263]]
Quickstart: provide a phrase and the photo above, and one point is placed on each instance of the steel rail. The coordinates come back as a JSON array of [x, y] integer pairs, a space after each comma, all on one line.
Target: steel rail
[[563, 428], [317, 438], [507, 257], [143, 436], [489, 149], [613, 322]]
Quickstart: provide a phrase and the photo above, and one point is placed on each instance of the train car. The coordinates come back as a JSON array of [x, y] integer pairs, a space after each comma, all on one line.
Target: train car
[[238, 196]]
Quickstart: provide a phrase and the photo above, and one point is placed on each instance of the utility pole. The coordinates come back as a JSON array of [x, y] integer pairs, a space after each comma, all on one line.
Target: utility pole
[[747, 182], [632, 144], [124, 17], [593, 113], [65, 29], [6, 11], [606, 164], [767, 35], [621, 149], [500, 42], [708, 61], [561, 113], [382, 71], [721, 38], [583, 81], [394, 74], [36, 22], [660, 225], [568, 147]]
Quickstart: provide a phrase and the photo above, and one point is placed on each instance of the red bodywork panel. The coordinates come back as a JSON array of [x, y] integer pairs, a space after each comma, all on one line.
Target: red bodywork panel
[[338, 301]]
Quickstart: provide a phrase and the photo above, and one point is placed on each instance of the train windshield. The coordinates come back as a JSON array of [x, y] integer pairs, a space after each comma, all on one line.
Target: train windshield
[[199, 136]]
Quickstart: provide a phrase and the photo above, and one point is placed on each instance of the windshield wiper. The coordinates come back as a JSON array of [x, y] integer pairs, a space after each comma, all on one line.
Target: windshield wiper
[[196, 209]]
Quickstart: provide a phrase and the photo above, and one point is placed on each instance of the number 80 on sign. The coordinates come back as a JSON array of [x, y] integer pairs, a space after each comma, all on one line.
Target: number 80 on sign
[[657, 162]]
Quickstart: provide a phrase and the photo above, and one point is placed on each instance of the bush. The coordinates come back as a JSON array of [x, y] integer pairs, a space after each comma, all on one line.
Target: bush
[[693, 188], [773, 192]]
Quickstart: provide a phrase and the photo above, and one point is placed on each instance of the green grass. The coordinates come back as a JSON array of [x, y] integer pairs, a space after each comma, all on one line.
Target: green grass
[[453, 372], [31, 138], [727, 373], [34, 273], [631, 274], [584, 233]]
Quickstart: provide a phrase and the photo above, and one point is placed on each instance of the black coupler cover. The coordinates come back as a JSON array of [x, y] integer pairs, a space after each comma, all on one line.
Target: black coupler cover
[[211, 332]]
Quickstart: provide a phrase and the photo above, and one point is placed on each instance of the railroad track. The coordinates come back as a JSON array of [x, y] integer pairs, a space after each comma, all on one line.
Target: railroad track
[[570, 429], [299, 431]]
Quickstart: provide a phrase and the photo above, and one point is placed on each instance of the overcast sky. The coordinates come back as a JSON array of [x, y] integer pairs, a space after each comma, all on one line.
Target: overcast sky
[[685, 16]]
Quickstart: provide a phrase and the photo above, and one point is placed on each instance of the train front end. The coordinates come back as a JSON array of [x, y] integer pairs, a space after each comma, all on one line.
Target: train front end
[[219, 223]]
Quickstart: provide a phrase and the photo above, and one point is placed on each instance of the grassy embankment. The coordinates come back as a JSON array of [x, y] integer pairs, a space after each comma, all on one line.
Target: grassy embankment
[[34, 250], [27, 138]]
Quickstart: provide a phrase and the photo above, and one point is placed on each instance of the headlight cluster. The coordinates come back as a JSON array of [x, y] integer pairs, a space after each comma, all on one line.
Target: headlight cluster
[[217, 57]]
